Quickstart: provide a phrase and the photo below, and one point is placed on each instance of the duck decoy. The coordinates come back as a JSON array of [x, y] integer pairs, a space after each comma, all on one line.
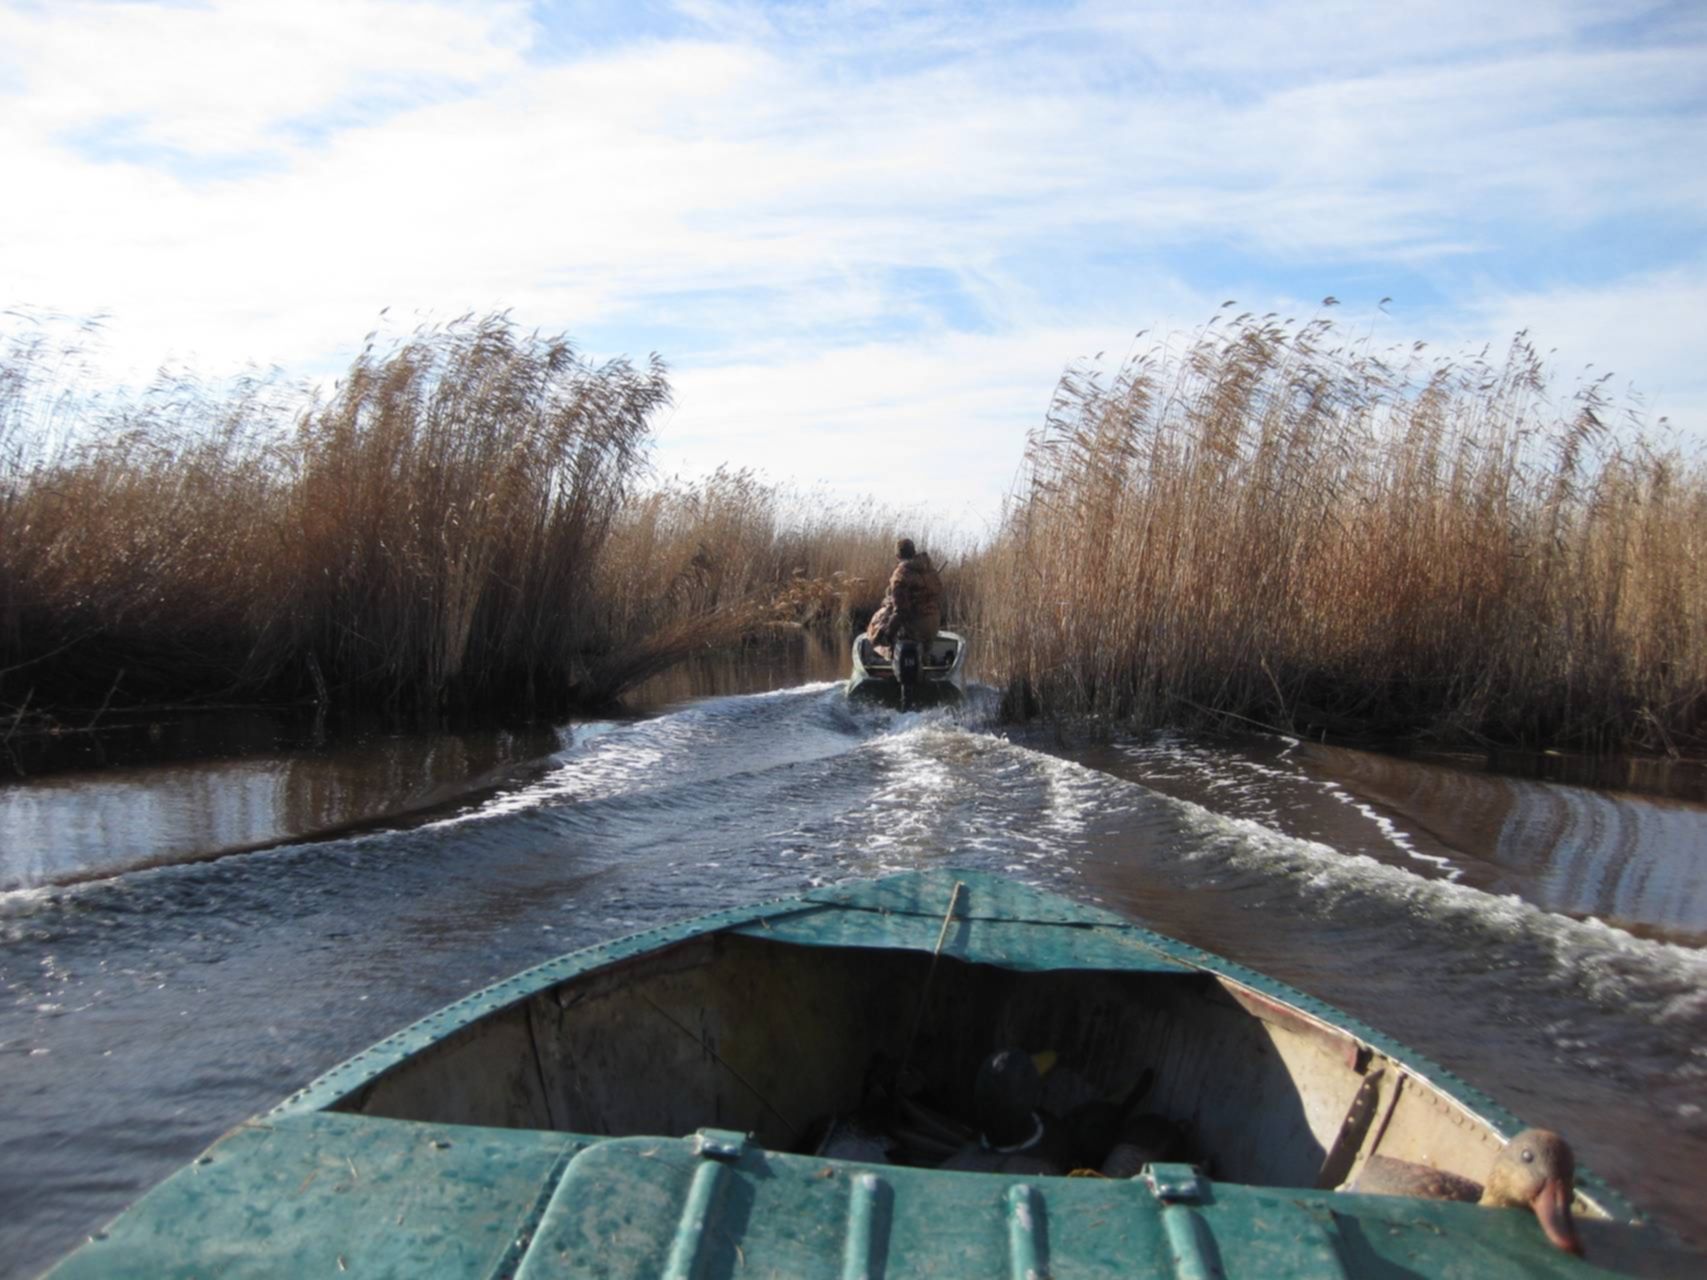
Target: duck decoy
[[935, 1124], [868, 1133], [1095, 1127], [928, 1137], [1535, 1171], [1014, 1134]]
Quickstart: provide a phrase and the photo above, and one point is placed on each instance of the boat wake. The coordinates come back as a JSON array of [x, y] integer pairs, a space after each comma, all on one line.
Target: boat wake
[[177, 1000]]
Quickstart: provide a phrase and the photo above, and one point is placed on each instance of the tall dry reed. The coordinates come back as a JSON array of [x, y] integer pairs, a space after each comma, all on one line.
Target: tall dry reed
[[465, 520], [1275, 525], [448, 506], [130, 531]]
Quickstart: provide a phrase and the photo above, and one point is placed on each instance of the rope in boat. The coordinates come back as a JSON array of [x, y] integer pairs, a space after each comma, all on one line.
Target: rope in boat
[[924, 992]]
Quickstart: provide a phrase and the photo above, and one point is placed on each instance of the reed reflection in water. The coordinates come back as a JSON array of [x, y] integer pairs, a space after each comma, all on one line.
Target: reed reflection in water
[[60, 828], [1626, 859]]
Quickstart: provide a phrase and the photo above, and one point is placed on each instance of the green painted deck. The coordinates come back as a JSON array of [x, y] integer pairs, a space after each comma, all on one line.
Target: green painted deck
[[331, 1195], [337, 1195]]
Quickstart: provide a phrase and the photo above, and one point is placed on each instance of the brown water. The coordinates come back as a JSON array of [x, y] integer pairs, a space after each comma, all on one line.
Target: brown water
[[1544, 941]]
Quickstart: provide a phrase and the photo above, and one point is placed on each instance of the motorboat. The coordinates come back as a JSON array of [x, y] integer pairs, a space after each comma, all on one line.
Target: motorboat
[[913, 675]]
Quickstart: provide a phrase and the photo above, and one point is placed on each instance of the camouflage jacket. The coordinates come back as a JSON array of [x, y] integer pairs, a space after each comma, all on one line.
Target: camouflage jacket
[[912, 605]]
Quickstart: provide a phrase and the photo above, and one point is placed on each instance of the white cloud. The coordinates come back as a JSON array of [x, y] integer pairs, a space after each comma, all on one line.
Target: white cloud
[[1246, 47], [224, 76], [940, 423], [1645, 331], [765, 191]]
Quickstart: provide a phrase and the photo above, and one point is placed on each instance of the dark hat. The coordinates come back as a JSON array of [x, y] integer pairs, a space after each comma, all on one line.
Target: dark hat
[[904, 549]]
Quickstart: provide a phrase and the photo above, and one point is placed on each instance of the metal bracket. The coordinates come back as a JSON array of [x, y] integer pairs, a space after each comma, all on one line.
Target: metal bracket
[[1175, 1183], [1354, 1127], [720, 1144]]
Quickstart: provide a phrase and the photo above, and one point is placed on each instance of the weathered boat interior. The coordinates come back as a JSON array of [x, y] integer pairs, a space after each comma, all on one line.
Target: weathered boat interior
[[741, 1032]]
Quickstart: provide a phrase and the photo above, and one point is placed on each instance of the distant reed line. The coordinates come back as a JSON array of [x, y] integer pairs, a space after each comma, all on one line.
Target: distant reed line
[[1272, 525]]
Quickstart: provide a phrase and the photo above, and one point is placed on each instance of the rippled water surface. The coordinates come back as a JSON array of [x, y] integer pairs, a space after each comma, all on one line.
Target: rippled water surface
[[1541, 940]]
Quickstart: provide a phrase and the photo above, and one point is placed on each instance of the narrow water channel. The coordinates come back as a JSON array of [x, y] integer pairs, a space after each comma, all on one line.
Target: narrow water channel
[[1543, 941]]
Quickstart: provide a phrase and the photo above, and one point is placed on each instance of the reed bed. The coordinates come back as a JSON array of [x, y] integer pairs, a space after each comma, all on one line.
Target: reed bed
[[466, 520], [127, 551], [1259, 524], [1265, 524]]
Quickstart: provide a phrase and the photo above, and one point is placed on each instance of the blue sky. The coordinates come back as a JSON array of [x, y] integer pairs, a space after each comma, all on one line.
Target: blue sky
[[867, 237]]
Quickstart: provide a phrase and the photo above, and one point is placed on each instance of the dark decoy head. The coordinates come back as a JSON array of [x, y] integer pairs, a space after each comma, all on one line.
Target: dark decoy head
[[1006, 1096]]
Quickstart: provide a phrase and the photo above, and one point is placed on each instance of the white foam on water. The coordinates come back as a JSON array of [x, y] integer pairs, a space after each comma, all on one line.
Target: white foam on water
[[610, 759], [1608, 964], [1218, 770], [25, 900], [1599, 958], [1395, 837], [943, 790], [905, 811], [1169, 757], [795, 691]]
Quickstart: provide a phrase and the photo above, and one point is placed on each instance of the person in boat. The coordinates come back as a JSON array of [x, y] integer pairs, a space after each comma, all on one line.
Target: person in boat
[[912, 602]]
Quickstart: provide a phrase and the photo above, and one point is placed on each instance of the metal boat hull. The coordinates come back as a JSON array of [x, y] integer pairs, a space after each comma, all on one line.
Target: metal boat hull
[[646, 1107], [942, 675]]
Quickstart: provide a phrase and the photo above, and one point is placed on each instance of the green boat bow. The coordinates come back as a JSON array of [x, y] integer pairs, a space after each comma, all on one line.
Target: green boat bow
[[465, 1145]]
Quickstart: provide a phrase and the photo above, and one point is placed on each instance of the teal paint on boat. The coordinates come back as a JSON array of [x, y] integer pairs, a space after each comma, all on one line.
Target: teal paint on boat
[[1011, 944], [334, 1194], [346, 1177], [635, 1207]]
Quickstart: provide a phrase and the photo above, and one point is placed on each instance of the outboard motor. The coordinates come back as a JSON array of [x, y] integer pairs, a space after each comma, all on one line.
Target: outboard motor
[[908, 660]]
